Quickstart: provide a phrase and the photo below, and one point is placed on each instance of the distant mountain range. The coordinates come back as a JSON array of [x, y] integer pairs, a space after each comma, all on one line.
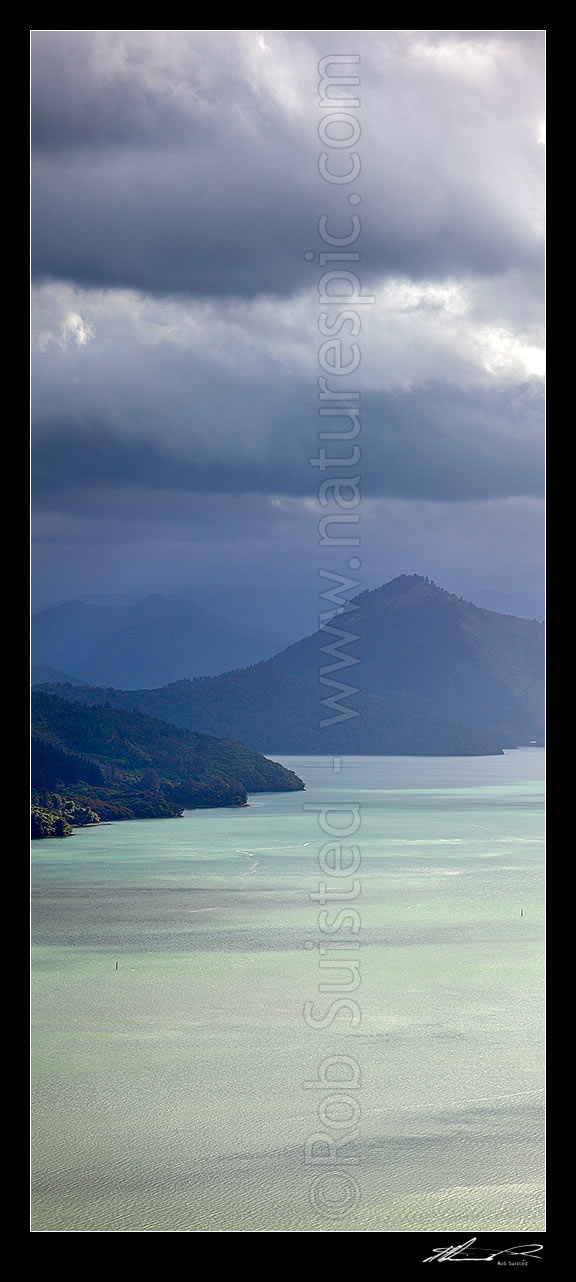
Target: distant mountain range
[[144, 643], [407, 669]]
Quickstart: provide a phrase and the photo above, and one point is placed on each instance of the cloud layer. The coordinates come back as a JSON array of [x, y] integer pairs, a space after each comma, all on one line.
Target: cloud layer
[[188, 161], [176, 193]]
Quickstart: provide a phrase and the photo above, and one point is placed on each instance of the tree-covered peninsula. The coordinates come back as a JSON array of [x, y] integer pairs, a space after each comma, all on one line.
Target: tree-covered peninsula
[[92, 764]]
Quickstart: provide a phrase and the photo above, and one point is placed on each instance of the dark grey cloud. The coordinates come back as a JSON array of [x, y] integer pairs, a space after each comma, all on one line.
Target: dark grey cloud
[[175, 191], [189, 164], [433, 443], [225, 399], [212, 224]]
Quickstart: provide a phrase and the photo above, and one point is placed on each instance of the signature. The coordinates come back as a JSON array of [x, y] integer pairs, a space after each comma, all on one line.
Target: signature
[[469, 1252]]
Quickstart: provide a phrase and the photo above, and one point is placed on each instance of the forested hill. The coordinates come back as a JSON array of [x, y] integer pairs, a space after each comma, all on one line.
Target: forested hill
[[275, 711], [469, 665], [123, 764], [407, 668]]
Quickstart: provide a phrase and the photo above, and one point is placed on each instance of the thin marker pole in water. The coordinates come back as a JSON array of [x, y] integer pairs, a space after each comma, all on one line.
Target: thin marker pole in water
[[521, 914], [116, 966]]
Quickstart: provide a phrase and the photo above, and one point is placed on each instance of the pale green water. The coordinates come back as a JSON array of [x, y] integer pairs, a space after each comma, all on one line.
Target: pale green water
[[169, 1095]]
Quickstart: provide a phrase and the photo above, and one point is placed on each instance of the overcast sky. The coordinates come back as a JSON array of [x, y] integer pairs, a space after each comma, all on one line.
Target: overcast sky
[[175, 193]]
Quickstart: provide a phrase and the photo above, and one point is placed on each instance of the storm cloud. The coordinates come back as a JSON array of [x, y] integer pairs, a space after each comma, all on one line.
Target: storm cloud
[[176, 192], [188, 161]]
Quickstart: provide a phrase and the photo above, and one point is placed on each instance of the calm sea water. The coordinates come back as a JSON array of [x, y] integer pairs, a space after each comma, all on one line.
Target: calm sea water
[[179, 1092]]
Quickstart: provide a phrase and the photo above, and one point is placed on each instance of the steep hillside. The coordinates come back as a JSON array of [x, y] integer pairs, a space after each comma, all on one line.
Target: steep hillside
[[405, 669], [467, 664], [91, 763]]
